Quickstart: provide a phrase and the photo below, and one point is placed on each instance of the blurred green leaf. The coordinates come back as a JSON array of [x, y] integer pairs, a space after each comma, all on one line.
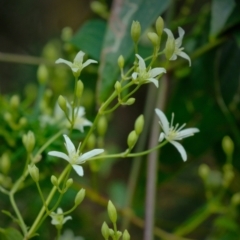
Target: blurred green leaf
[[10, 234], [118, 41], [89, 38], [221, 10]]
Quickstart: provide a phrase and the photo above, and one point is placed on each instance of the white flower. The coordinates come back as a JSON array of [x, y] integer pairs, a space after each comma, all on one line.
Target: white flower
[[77, 65], [80, 121], [58, 218], [178, 42], [68, 235], [144, 76], [74, 157], [174, 134]]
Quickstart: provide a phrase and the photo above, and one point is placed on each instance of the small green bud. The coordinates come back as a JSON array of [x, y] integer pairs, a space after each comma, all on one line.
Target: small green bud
[[118, 87], [203, 171], [29, 141], [228, 145], [79, 197], [112, 213], [7, 117], [139, 124], [22, 121], [5, 163], [105, 231], [235, 199], [34, 172], [135, 31], [102, 126], [132, 139], [42, 74], [79, 89], [121, 61], [170, 47], [54, 181], [159, 26], [111, 232], [67, 34], [91, 142], [69, 183], [126, 235], [119, 234], [62, 103], [130, 101], [14, 101], [153, 37]]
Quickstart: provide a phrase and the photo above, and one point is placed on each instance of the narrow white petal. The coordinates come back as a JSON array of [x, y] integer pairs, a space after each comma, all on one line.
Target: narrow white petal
[[89, 61], [79, 57], [59, 211], [66, 219], [163, 121], [80, 111], [173, 57], [154, 81], [78, 169], [69, 145], [88, 155], [157, 71], [187, 132], [141, 62], [185, 56], [180, 149], [135, 75], [178, 41], [161, 137], [75, 69], [60, 60], [168, 32], [59, 154]]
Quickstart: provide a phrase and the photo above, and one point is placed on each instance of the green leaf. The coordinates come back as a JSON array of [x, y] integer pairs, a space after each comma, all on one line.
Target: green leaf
[[10, 234], [221, 10], [89, 38], [118, 41]]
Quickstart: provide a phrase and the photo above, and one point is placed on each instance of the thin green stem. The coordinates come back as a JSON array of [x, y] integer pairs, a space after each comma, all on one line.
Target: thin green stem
[[3, 190], [42, 198]]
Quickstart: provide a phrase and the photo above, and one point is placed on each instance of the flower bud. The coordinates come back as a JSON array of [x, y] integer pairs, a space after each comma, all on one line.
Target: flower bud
[[14, 101], [159, 26], [203, 171], [121, 61], [130, 101], [228, 145], [118, 87], [42, 74], [105, 231], [34, 172], [67, 34], [7, 117], [111, 232], [62, 103], [91, 142], [22, 121], [119, 234], [135, 31], [112, 213], [69, 183], [153, 37], [79, 197], [5, 163], [236, 199], [102, 126], [132, 139], [79, 89], [126, 235], [170, 47], [139, 123], [29, 141], [54, 181]]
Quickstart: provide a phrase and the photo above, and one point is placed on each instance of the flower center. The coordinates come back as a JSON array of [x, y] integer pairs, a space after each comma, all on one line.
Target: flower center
[[77, 64], [74, 157]]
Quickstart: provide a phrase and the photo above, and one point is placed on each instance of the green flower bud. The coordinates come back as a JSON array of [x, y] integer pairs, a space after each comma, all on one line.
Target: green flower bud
[[14, 101], [91, 142], [159, 26], [153, 37], [235, 199], [79, 89], [67, 34], [7, 117], [69, 183], [121, 61], [102, 126], [105, 231], [203, 171], [34, 172], [22, 121], [118, 87], [112, 213], [139, 124], [111, 232], [119, 234], [130, 101], [126, 235], [42, 74], [5, 163], [228, 145], [54, 181], [135, 31], [29, 141], [79, 197], [170, 47], [132, 139], [62, 103]]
